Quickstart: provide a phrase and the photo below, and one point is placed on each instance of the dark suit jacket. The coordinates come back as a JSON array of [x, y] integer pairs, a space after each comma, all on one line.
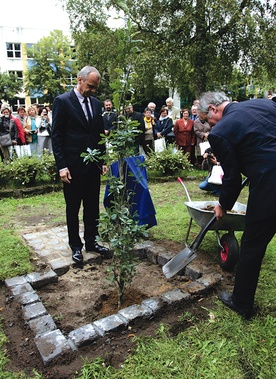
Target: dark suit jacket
[[244, 141], [71, 133], [137, 116], [109, 119]]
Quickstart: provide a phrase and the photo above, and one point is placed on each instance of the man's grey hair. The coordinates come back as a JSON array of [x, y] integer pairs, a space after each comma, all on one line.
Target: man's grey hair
[[169, 100], [207, 98], [85, 71]]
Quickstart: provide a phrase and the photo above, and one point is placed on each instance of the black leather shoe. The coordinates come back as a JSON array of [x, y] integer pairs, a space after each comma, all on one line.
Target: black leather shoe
[[227, 299], [104, 251], [77, 256]]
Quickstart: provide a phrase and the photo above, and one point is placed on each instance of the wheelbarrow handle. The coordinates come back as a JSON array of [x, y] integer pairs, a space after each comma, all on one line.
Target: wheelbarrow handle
[[187, 193]]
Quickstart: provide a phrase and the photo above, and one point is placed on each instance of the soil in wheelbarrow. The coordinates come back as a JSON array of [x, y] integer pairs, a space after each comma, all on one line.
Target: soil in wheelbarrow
[[211, 209], [76, 301]]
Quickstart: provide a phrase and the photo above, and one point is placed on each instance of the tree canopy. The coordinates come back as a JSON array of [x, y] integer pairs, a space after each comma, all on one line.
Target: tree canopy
[[188, 46], [51, 67], [10, 86]]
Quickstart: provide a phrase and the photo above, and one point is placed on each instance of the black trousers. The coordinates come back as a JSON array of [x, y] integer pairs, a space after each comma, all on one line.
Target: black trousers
[[83, 189], [253, 246]]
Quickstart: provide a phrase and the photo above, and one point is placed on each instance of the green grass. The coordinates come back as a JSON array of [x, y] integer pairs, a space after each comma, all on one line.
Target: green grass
[[223, 346]]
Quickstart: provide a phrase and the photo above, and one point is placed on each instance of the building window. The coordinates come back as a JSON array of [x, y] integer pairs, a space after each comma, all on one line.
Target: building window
[[18, 74], [30, 50], [13, 50]]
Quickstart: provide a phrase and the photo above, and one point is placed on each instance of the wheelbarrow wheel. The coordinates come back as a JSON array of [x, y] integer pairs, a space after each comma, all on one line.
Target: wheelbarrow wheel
[[228, 256]]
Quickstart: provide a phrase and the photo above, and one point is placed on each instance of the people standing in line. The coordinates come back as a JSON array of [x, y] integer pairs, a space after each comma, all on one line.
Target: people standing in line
[[44, 132], [202, 130], [148, 145], [78, 125], [109, 117], [20, 140], [31, 125], [185, 138], [7, 126], [163, 125], [134, 115], [244, 141]]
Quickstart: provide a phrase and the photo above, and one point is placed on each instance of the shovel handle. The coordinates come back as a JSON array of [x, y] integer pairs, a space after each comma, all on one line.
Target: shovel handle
[[197, 241]]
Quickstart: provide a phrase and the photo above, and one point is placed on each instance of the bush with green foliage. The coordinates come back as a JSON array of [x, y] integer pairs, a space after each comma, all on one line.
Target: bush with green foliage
[[28, 171], [169, 162]]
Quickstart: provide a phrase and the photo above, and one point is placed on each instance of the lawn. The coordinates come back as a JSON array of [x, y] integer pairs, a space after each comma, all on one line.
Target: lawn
[[222, 346]]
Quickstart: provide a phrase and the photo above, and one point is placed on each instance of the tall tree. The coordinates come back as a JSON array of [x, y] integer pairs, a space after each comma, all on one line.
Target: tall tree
[[10, 86], [51, 68], [197, 44]]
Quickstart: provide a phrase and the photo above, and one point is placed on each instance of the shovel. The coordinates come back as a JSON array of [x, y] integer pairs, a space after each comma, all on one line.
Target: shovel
[[185, 256]]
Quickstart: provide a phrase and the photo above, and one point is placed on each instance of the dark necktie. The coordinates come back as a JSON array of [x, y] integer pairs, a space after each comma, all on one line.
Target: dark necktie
[[88, 111]]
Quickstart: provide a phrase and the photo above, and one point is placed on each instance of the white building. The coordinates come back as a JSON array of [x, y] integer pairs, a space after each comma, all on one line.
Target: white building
[[13, 57]]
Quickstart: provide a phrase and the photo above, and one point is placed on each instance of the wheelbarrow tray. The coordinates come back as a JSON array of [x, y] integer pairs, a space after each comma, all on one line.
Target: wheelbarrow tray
[[234, 220]]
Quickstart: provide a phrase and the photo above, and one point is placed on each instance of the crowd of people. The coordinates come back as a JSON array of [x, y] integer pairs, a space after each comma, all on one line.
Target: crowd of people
[[26, 133], [30, 129], [183, 127]]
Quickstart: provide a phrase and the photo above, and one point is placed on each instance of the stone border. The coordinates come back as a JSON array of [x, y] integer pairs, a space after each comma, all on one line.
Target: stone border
[[53, 345]]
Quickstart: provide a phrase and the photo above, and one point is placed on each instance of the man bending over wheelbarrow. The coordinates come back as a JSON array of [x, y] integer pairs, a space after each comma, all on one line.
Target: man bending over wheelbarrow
[[244, 142]]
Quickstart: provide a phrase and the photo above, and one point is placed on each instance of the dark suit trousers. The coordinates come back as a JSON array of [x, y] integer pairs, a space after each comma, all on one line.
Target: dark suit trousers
[[253, 246], [83, 189]]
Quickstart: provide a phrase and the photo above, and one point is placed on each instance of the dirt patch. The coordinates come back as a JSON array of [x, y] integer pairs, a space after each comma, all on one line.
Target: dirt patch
[[84, 295]]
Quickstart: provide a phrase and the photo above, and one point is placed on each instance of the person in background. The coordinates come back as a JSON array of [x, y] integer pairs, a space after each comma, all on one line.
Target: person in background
[[109, 117], [210, 160], [194, 114], [21, 139], [185, 136], [7, 126], [133, 115], [78, 125], [152, 107], [244, 142], [163, 125], [202, 130], [44, 132], [148, 145], [173, 112], [31, 125]]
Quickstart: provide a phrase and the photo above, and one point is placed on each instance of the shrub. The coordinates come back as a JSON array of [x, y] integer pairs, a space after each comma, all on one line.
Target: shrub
[[26, 171], [168, 162]]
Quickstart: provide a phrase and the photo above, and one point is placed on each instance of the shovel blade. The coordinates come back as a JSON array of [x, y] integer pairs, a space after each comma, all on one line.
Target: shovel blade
[[178, 262]]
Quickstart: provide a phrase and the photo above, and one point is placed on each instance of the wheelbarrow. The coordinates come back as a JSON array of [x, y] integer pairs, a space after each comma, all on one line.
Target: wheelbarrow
[[202, 212]]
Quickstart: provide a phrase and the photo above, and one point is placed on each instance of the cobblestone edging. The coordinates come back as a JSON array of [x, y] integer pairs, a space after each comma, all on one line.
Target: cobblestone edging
[[53, 345]]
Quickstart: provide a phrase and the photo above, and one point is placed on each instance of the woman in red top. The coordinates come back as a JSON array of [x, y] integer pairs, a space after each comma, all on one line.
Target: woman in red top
[[185, 137]]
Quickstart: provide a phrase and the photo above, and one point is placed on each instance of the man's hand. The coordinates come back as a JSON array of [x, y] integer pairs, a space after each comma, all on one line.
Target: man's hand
[[104, 170], [219, 211], [65, 175]]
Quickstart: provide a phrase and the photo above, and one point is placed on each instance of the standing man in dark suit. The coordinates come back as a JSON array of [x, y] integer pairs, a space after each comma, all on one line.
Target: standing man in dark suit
[[109, 117], [77, 125], [136, 116], [244, 141]]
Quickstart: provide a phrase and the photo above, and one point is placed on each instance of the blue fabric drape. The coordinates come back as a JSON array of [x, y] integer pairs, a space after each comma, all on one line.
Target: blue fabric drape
[[137, 182]]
